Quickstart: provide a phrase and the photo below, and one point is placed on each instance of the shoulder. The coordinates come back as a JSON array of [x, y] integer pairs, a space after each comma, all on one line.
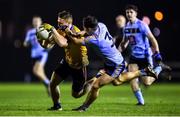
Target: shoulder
[[140, 22], [76, 28], [31, 31], [127, 24], [100, 24]]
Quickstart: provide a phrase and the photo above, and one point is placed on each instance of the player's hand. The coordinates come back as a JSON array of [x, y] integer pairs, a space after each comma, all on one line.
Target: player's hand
[[157, 57], [46, 44], [48, 26]]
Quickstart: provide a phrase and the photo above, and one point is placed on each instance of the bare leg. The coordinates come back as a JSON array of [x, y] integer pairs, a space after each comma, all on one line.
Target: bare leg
[[135, 85], [126, 76], [86, 89], [94, 92], [148, 80], [38, 70], [55, 92]]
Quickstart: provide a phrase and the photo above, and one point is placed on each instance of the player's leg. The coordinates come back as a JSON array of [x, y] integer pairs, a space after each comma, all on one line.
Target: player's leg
[[39, 71], [80, 84], [94, 92], [55, 91], [135, 85], [38, 68], [126, 76], [104, 77], [60, 73]]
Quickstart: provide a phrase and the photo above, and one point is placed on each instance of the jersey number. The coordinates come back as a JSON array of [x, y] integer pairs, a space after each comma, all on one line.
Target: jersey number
[[107, 35]]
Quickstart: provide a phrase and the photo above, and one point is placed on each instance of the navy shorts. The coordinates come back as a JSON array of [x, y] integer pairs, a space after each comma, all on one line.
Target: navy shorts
[[113, 71], [141, 62], [78, 75], [42, 58]]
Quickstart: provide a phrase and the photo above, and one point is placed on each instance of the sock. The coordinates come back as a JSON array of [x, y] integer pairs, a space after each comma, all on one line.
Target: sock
[[139, 96], [158, 69], [46, 82]]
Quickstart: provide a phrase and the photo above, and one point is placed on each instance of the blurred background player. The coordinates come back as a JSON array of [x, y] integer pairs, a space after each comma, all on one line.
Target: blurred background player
[[136, 34], [38, 54], [75, 61], [120, 23], [100, 39]]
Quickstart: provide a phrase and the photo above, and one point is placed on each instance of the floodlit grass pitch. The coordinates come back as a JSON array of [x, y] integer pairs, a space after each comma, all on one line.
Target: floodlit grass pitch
[[31, 99]]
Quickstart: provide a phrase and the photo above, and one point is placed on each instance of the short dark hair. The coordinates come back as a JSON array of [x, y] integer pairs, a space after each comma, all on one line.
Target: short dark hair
[[64, 15], [131, 6], [36, 16], [90, 22]]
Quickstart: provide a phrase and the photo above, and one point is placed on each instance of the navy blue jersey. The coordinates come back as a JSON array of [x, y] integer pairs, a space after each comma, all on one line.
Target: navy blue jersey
[[103, 44], [136, 34]]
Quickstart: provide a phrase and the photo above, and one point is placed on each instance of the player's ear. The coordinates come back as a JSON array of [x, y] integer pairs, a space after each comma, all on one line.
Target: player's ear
[[136, 13], [70, 20]]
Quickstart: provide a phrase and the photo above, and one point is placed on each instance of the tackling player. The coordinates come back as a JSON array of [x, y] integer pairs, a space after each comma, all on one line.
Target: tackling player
[[38, 54], [100, 39]]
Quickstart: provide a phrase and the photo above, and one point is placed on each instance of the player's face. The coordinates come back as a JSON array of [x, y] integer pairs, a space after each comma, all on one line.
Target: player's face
[[36, 22], [89, 31], [64, 22], [131, 15], [120, 21]]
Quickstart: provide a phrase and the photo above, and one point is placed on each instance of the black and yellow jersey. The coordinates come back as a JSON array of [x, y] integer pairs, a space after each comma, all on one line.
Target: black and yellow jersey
[[75, 55]]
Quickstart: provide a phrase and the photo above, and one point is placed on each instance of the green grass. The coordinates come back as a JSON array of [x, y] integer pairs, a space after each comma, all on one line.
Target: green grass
[[31, 99]]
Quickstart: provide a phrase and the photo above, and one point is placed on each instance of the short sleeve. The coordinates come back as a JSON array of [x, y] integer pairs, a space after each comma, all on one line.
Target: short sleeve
[[90, 40], [27, 38], [145, 28]]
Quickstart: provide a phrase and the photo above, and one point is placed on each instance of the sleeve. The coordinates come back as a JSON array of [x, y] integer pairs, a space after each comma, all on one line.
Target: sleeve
[[76, 28], [89, 40], [145, 29], [27, 38]]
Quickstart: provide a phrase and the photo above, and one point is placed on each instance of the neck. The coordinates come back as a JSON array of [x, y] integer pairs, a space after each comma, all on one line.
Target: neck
[[133, 21]]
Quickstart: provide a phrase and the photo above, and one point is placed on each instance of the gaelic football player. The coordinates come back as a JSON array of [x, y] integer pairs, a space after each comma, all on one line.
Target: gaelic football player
[[38, 54], [100, 39]]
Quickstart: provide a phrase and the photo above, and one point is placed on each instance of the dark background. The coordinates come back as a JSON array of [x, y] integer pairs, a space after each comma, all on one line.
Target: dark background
[[16, 15]]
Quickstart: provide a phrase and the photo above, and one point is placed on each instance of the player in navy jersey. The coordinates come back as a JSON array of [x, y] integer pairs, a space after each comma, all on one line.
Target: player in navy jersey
[[121, 23], [100, 39], [38, 54], [137, 34]]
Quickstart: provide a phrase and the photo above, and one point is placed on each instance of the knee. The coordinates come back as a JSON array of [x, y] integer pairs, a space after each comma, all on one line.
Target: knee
[[148, 80], [116, 83], [147, 83], [95, 86]]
